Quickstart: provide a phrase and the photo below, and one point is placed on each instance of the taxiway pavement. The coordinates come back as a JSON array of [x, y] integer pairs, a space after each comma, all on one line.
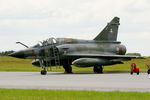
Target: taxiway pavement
[[76, 81]]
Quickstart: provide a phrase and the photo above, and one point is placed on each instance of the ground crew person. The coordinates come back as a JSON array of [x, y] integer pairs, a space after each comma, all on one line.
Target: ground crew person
[[135, 69]]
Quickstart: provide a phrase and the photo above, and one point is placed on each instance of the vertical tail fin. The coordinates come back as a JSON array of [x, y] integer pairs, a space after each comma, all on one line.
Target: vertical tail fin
[[110, 32]]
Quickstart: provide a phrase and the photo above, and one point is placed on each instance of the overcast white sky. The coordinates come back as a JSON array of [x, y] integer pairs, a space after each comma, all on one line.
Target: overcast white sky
[[30, 21]]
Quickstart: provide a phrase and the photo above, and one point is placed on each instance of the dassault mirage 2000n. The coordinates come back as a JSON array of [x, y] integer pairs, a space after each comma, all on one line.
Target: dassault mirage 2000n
[[103, 50]]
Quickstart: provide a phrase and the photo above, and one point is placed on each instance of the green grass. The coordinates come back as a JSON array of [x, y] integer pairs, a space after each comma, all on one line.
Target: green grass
[[14, 64], [30, 94]]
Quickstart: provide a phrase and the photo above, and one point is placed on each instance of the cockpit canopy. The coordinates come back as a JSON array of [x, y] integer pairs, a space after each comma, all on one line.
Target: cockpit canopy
[[46, 42]]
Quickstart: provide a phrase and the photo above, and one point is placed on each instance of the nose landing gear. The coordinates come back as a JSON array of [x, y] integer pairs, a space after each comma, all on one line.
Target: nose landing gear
[[43, 71]]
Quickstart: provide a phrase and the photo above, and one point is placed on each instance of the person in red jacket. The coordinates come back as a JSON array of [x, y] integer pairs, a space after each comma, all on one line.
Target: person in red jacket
[[135, 69]]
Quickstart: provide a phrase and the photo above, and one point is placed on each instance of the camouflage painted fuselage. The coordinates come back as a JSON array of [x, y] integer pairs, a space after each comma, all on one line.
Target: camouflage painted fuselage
[[72, 49], [103, 50]]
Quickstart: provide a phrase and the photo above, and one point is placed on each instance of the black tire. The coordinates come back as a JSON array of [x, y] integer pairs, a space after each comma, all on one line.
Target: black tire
[[98, 69], [131, 73], [138, 73], [148, 71], [94, 69], [68, 68], [43, 72]]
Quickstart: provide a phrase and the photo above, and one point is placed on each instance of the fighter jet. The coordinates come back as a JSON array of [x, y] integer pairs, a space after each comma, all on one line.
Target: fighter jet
[[103, 50]]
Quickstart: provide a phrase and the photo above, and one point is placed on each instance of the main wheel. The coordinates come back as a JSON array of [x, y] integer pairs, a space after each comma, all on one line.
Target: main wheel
[[148, 72], [68, 68], [98, 69], [131, 73], [138, 73], [43, 72]]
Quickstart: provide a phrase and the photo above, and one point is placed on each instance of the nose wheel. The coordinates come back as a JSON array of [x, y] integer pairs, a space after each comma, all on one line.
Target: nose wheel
[[43, 72]]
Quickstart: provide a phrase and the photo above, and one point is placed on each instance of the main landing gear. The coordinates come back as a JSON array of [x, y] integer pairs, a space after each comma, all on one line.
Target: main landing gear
[[98, 69], [68, 69], [148, 72]]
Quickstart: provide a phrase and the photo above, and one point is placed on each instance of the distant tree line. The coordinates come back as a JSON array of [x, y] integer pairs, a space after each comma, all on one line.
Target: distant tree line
[[4, 53], [134, 54]]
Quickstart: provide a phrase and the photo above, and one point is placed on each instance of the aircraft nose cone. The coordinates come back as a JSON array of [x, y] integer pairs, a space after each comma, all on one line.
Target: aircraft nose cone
[[18, 54]]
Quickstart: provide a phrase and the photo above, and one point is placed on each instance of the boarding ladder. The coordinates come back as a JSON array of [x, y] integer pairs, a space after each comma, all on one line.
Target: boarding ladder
[[52, 54], [56, 56]]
